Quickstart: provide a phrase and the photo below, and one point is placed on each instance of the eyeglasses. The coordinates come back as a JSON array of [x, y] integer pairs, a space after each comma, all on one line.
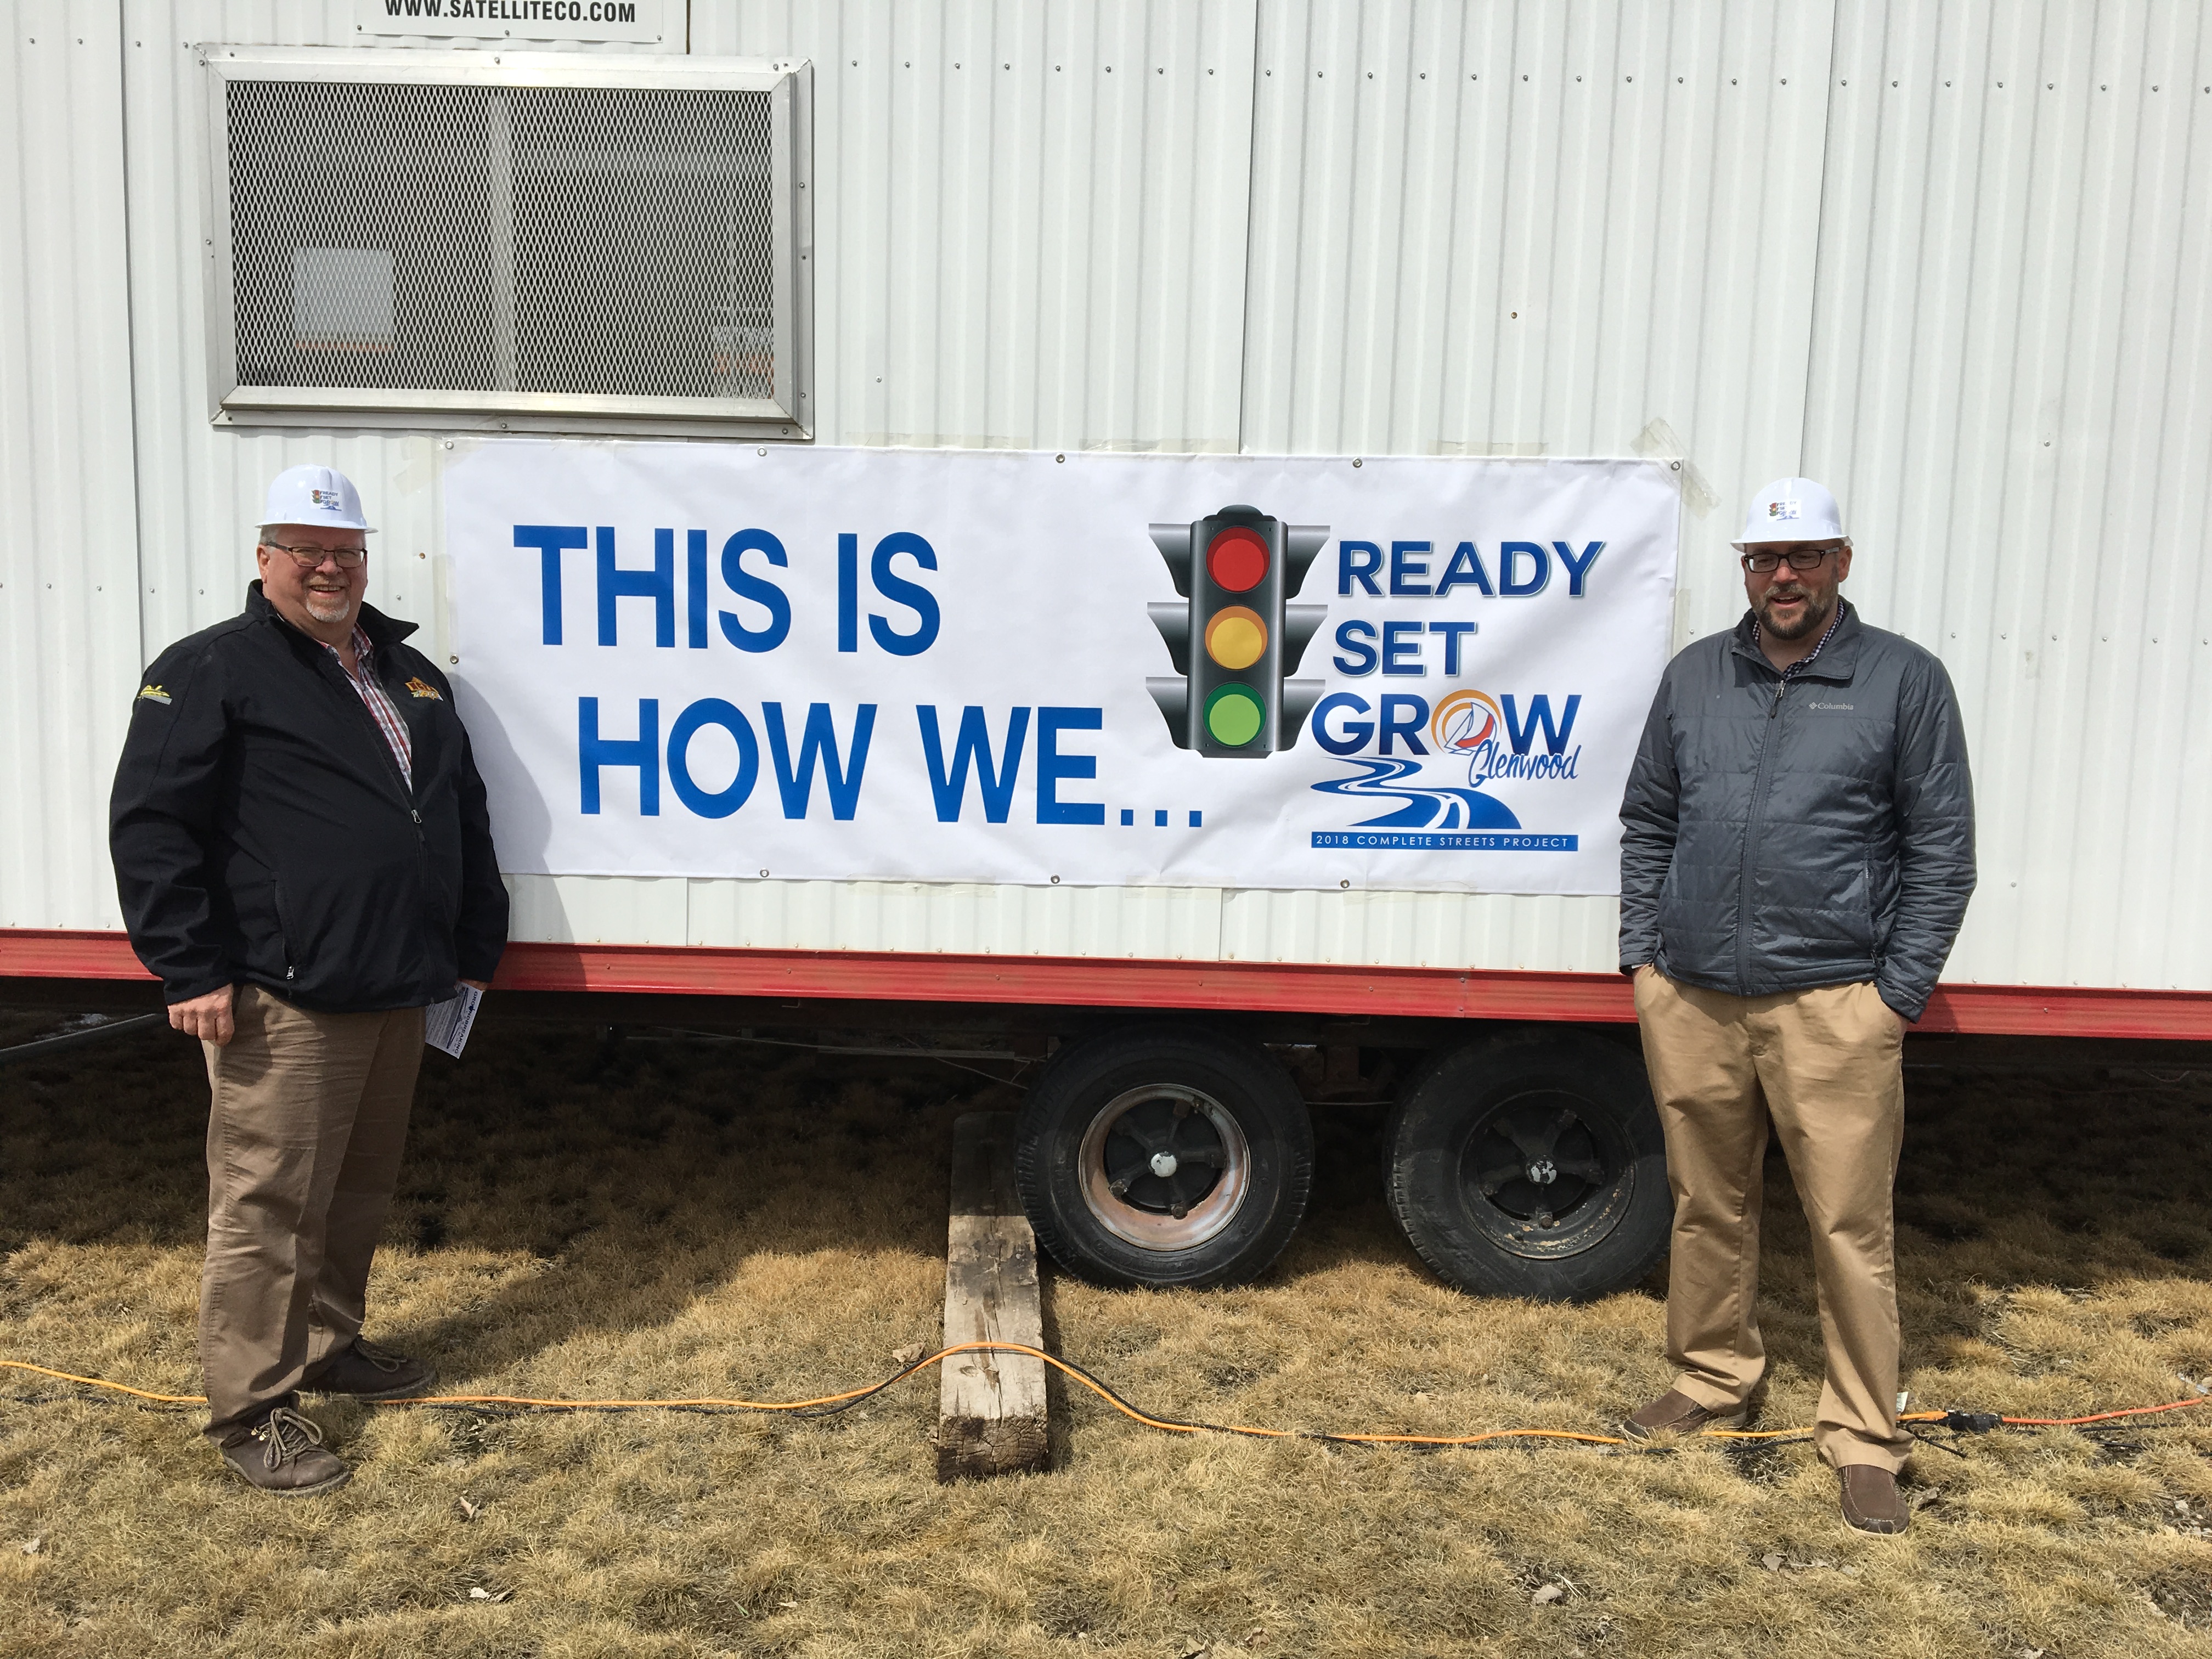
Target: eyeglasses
[[311, 558], [1800, 558]]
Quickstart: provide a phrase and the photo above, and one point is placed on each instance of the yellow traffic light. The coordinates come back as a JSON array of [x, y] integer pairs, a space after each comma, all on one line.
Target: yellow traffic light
[[1236, 637]]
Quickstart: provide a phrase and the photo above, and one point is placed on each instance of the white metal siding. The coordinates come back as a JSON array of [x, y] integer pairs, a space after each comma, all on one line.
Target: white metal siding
[[1982, 314], [69, 561], [960, 917], [1030, 219], [1169, 923], [2012, 393]]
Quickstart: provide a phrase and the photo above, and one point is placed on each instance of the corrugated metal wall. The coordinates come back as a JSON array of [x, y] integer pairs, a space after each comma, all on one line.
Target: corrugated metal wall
[[2012, 391], [69, 557], [1030, 219], [1716, 233]]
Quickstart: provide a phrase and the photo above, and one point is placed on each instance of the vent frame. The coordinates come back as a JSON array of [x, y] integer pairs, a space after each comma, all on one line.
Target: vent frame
[[785, 411]]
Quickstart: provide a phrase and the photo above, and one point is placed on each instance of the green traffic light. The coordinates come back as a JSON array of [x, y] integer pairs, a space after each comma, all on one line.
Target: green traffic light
[[1235, 714]]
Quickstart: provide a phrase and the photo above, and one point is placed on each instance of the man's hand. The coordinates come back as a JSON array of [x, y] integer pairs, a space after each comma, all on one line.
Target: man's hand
[[477, 984], [207, 1017]]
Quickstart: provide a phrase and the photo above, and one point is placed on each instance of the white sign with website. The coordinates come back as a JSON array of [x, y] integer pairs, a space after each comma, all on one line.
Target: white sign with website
[[644, 21]]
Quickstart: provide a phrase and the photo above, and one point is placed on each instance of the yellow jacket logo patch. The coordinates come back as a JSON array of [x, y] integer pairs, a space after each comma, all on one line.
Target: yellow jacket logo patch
[[153, 693], [420, 687]]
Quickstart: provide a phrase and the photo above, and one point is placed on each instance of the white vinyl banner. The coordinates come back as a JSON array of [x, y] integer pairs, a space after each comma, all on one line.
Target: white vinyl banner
[[708, 659]]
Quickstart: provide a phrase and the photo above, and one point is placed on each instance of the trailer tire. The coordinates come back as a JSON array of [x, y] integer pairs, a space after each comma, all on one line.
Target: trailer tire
[[1532, 1165], [1125, 1129]]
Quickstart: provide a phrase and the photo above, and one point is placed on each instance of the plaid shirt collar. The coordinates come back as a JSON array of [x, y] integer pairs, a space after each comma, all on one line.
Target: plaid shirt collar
[[364, 657], [380, 708]]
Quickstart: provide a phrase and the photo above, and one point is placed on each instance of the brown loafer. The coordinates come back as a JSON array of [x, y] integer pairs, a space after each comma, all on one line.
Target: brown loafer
[[1675, 1413], [283, 1455], [1871, 1500], [365, 1372]]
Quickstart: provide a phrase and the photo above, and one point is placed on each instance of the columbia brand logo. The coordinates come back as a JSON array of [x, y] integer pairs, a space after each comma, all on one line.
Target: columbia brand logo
[[1831, 705]]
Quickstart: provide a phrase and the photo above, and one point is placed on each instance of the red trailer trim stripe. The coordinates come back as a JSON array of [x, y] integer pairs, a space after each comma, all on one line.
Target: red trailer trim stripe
[[1121, 982]]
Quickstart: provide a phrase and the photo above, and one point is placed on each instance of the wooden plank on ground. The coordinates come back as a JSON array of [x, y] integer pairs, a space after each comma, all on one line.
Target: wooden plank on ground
[[991, 1411]]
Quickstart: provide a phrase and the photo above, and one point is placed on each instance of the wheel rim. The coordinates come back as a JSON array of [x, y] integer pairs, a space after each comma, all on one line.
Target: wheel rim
[[1545, 1175], [1164, 1167]]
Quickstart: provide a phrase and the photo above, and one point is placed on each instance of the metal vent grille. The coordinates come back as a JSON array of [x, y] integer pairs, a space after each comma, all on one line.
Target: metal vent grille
[[478, 246]]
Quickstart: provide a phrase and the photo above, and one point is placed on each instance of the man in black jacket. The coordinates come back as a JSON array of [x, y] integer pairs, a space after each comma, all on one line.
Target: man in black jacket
[[305, 859], [1797, 853]]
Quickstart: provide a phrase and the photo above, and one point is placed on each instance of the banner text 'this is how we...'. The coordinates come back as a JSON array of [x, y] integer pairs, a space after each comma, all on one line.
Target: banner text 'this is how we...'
[[763, 626]]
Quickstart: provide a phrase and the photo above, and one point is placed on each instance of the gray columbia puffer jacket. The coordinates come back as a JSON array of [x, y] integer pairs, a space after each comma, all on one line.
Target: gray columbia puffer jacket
[[1781, 836]]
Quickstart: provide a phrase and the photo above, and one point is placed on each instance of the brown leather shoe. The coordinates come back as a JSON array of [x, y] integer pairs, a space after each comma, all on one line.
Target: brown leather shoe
[[365, 1372], [1675, 1413], [283, 1455], [1871, 1500]]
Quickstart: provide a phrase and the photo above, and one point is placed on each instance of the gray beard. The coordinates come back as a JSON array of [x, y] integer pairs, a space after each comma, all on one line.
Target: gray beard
[[340, 610]]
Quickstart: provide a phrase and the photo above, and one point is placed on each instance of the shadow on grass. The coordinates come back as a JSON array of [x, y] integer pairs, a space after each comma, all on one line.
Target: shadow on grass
[[639, 1175], [643, 1174]]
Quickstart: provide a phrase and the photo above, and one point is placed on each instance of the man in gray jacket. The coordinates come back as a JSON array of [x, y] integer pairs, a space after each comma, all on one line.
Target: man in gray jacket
[[1798, 849]]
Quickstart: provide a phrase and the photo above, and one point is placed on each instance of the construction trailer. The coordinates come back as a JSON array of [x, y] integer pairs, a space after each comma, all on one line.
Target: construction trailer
[[1955, 261]]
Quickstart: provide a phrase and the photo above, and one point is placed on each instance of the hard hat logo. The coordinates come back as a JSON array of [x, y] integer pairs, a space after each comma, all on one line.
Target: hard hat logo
[[1782, 509]]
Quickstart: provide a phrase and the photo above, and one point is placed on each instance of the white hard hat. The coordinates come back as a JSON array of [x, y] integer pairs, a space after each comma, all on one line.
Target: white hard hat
[[1792, 510], [314, 494]]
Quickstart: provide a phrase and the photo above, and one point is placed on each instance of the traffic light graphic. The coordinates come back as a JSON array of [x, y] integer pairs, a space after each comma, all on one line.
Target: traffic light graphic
[[1236, 571]]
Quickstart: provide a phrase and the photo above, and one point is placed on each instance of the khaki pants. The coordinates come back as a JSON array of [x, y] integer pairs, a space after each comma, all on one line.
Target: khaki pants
[[308, 1116], [1826, 1065]]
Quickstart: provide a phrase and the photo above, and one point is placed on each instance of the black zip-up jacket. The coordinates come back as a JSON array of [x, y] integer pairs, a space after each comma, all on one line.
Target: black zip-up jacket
[[1780, 835], [262, 832]]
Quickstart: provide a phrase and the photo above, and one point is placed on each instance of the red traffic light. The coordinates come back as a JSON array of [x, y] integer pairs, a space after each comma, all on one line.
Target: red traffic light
[[1237, 559]]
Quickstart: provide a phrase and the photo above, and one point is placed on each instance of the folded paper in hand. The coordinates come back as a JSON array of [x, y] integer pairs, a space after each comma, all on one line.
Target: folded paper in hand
[[446, 1024]]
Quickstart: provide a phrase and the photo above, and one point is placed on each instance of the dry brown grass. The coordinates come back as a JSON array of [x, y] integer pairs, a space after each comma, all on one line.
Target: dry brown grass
[[683, 1219]]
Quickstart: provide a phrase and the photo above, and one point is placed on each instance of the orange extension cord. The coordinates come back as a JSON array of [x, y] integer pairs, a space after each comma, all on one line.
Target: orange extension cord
[[827, 1404]]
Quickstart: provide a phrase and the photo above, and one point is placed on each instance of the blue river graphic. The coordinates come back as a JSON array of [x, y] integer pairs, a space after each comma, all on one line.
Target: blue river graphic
[[1421, 806]]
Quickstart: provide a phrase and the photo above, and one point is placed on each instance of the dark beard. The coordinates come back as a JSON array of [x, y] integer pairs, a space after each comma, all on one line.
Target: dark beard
[[1812, 619]]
